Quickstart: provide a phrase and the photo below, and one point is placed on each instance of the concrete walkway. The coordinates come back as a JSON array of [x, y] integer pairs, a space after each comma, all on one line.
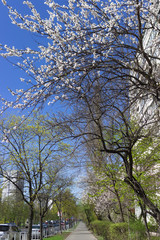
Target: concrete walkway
[[81, 233]]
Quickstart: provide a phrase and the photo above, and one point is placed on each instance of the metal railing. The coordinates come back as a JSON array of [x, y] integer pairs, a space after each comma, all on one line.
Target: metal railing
[[47, 232]]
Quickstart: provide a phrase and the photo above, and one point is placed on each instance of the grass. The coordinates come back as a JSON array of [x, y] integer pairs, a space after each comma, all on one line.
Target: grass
[[99, 238], [152, 238], [62, 236]]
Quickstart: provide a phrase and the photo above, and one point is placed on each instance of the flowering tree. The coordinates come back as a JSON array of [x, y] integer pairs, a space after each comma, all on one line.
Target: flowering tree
[[101, 54], [106, 190], [85, 38], [102, 200]]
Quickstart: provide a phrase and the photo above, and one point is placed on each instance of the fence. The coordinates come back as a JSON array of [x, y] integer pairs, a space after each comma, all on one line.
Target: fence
[[47, 232]]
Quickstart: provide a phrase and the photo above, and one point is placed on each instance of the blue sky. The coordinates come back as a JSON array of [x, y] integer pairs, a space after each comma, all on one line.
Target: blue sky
[[13, 36], [9, 35]]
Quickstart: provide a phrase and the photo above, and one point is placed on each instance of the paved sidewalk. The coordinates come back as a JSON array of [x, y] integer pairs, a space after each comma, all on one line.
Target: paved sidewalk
[[81, 233]]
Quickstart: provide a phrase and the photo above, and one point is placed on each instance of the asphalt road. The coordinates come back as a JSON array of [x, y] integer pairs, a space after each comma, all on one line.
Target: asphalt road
[[81, 233]]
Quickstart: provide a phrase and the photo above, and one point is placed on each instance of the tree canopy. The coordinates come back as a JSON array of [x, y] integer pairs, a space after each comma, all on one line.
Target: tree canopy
[[83, 42]]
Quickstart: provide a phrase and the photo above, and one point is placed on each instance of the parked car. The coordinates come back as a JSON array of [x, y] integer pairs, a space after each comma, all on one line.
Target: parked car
[[56, 223], [45, 229], [9, 231], [36, 231]]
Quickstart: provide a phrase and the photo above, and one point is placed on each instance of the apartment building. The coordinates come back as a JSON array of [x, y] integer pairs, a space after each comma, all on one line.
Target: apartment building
[[146, 107], [9, 189]]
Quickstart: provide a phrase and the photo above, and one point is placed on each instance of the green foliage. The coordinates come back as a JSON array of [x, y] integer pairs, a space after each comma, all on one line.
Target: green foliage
[[100, 238], [146, 160], [69, 208], [119, 231], [152, 227], [13, 211], [137, 230], [101, 228], [89, 213], [52, 214], [62, 236], [81, 212]]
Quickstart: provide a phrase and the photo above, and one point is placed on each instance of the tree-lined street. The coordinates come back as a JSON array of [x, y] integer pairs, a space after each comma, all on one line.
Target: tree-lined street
[[87, 96]]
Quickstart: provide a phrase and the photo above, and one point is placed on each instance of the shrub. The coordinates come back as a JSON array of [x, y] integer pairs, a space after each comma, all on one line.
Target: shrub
[[137, 230], [152, 228], [134, 230], [119, 231], [101, 228], [89, 214]]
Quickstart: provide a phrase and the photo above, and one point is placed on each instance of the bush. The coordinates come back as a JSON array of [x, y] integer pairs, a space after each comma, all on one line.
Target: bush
[[101, 228], [119, 231], [137, 230], [123, 231], [152, 228]]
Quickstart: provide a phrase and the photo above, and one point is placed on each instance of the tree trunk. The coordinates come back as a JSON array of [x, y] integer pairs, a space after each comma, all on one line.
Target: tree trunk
[[29, 237], [60, 221], [136, 186], [109, 215], [144, 214], [41, 224], [120, 206]]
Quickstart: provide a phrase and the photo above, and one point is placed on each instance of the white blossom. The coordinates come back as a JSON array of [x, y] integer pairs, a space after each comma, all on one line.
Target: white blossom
[[4, 2], [78, 39]]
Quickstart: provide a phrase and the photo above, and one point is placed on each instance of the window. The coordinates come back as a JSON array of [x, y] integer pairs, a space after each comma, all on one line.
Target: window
[[4, 228]]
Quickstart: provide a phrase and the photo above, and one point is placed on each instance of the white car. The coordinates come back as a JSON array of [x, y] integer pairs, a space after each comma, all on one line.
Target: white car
[[9, 232], [36, 231]]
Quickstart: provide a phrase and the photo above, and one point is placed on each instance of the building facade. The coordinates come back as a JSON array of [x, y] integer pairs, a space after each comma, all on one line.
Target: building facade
[[13, 186], [145, 110]]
